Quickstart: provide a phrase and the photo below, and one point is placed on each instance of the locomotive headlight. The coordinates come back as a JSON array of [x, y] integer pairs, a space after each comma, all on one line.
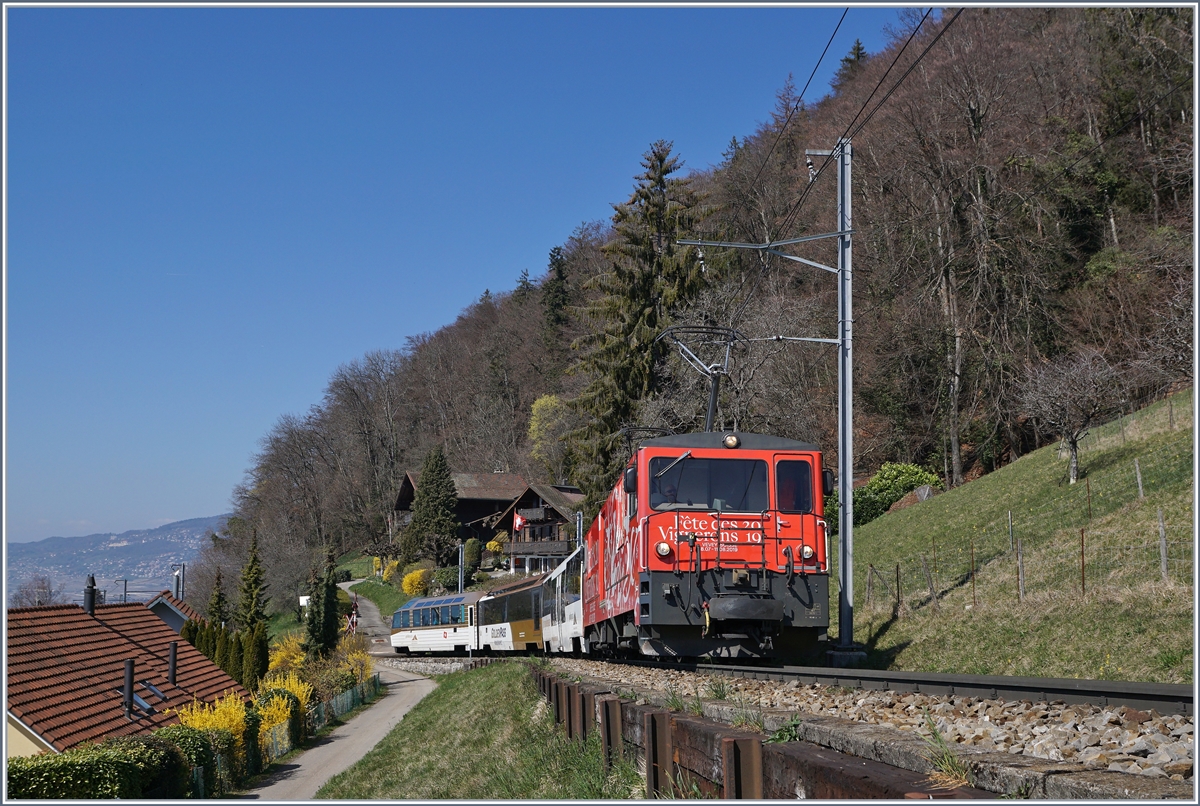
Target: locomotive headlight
[[807, 552], [731, 441], [662, 549]]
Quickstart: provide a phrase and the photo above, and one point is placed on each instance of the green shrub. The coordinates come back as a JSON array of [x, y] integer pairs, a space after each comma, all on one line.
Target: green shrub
[[447, 577], [889, 485], [165, 770], [198, 749], [472, 553], [225, 756], [85, 772], [253, 751]]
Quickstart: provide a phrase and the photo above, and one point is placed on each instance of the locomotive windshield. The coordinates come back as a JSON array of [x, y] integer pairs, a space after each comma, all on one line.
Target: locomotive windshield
[[728, 485]]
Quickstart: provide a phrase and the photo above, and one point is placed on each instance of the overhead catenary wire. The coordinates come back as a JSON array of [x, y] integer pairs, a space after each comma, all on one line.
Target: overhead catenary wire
[[789, 218], [851, 130], [799, 100]]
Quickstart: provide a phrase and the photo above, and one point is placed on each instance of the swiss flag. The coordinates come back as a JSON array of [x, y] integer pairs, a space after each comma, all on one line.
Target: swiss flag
[[518, 522]]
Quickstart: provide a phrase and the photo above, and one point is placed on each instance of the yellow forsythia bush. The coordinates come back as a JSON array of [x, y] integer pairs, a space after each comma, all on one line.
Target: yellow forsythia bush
[[275, 711], [291, 682], [391, 571], [287, 654], [358, 663], [228, 713], [417, 583], [376, 563]]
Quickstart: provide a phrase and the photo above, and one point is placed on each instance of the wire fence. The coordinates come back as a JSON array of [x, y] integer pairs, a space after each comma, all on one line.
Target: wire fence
[[276, 742], [1063, 545]]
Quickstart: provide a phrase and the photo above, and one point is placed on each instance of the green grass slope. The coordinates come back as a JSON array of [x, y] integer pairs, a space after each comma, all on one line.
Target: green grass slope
[[1095, 605], [483, 735]]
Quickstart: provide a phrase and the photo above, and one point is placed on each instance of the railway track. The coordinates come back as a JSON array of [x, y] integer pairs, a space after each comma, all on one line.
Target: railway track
[[1162, 697]]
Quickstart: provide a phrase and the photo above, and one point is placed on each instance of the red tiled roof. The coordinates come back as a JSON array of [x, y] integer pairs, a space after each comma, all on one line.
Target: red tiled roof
[[185, 609], [66, 670]]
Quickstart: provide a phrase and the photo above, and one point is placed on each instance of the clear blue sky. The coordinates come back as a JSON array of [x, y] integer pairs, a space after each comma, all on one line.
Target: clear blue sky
[[209, 210]]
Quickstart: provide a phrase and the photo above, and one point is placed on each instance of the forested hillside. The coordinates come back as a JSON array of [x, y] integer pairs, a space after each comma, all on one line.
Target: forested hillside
[[1022, 201]]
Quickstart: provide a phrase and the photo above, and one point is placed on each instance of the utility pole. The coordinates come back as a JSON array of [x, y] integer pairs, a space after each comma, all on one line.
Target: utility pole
[[124, 590], [845, 654]]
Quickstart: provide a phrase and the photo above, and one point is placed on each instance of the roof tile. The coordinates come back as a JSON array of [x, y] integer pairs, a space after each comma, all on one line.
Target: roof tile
[[66, 670]]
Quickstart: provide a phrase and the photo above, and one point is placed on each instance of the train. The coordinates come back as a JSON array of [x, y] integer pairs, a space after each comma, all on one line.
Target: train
[[709, 545], [506, 619]]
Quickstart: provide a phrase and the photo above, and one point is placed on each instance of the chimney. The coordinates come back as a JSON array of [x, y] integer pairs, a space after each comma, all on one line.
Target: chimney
[[128, 694], [89, 596], [171, 661]]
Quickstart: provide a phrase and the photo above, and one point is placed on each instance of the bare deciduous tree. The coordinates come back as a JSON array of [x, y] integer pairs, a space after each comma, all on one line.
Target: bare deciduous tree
[[38, 591], [1070, 395]]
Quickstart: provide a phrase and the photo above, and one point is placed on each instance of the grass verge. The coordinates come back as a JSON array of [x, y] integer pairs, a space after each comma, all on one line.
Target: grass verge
[[483, 735]]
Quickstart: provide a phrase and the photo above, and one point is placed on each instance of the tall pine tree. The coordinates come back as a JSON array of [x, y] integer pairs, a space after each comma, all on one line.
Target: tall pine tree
[[314, 616], [649, 276], [433, 531], [252, 604], [330, 618], [218, 606]]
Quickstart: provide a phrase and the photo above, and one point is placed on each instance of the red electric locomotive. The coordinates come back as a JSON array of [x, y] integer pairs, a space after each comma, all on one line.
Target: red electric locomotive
[[711, 545]]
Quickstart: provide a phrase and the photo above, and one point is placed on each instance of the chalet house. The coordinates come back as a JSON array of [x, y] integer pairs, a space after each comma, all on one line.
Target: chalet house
[[173, 611], [541, 520], [481, 497], [71, 671]]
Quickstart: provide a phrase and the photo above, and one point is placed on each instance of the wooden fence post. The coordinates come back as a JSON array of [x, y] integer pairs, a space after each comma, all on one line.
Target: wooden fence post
[[932, 590], [1082, 576], [870, 590], [1010, 532], [1020, 574], [899, 594], [974, 600], [1162, 544], [1137, 469]]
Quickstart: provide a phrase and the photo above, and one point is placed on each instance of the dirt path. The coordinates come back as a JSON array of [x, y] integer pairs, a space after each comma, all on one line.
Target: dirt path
[[301, 776]]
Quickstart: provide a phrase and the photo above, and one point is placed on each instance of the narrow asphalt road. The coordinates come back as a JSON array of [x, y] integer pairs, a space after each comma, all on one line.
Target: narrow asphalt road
[[301, 776]]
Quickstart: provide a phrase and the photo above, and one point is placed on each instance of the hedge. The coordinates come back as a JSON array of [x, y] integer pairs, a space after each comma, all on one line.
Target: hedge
[[164, 768], [198, 748], [91, 771]]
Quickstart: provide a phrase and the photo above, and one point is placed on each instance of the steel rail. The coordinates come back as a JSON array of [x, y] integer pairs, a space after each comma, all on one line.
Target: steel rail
[[1165, 698]]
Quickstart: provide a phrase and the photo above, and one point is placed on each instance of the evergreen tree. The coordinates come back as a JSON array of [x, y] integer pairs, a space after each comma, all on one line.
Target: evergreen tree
[[218, 607], [188, 632], [330, 618], [207, 645], [649, 277], [851, 63], [313, 616], [221, 656], [255, 657], [252, 603], [472, 554], [434, 526], [234, 663]]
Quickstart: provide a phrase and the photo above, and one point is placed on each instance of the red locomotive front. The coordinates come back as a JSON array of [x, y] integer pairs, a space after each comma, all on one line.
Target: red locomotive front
[[711, 545]]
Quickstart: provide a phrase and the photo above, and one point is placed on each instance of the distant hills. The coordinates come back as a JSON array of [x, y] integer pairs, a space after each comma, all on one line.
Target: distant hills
[[142, 556]]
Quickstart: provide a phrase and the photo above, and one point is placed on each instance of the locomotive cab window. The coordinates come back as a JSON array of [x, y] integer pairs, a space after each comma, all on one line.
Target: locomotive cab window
[[793, 486], [728, 485]]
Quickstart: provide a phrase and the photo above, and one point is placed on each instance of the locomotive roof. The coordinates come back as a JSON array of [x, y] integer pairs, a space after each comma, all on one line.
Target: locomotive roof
[[712, 439]]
